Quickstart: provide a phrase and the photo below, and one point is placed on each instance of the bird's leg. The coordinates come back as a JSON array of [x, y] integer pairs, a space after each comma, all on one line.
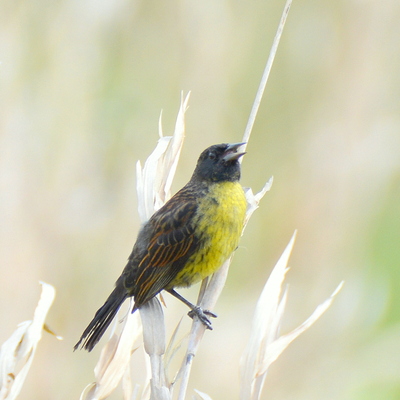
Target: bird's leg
[[195, 310]]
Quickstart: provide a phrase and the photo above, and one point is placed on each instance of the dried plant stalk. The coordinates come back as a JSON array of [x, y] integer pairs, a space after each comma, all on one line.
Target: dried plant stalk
[[153, 187]]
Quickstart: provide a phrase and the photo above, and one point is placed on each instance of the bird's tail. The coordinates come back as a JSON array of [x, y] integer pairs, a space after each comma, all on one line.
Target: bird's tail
[[102, 319]]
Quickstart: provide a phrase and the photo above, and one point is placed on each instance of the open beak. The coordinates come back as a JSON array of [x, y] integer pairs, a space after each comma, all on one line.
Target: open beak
[[231, 154]]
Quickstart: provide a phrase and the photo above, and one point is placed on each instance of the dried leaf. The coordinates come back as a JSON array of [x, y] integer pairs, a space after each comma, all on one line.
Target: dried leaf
[[114, 359], [265, 345], [17, 352], [155, 179], [202, 395], [276, 348], [153, 189], [253, 200], [266, 322]]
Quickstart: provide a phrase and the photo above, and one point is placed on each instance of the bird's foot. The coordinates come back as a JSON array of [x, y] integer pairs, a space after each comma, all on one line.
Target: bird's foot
[[202, 315]]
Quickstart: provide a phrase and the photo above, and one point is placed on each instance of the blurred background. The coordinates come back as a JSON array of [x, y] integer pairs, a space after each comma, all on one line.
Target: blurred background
[[82, 84]]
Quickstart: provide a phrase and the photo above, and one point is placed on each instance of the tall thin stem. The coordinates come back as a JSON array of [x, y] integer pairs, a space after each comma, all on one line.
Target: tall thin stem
[[267, 70]]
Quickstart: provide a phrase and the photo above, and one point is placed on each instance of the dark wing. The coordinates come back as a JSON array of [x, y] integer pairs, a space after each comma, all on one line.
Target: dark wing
[[169, 240]]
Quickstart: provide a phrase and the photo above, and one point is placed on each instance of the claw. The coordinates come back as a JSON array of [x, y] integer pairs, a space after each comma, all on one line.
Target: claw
[[202, 316], [210, 314]]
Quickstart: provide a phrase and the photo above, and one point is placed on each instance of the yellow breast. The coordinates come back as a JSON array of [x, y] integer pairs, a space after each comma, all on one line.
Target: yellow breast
[[219, 224]]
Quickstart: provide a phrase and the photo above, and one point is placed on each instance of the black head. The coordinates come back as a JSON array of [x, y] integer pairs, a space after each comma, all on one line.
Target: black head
[[219, 163]]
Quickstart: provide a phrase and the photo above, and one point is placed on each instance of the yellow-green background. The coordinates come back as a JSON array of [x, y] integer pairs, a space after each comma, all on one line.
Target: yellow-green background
[[82, 84]]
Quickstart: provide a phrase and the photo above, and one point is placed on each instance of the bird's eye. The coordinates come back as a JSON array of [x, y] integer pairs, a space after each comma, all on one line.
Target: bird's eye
[[211, 155]]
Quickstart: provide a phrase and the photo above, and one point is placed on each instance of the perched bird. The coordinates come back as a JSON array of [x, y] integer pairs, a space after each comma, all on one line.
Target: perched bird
[[186, 240]]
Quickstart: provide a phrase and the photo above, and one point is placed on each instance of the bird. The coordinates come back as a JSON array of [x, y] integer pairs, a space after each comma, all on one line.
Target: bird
[[183, 242]]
